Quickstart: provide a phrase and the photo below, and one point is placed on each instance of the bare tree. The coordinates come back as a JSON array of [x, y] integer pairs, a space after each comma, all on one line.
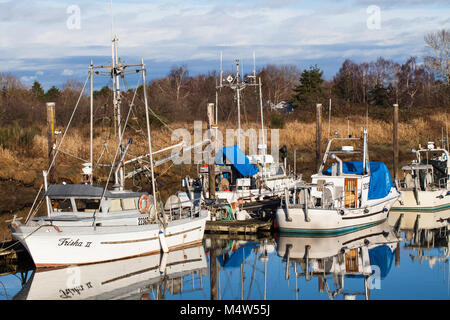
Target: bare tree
[[439, 43]]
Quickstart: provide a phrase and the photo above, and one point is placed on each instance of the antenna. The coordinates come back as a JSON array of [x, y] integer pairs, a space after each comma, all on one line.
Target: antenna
[[254, 65], [112, 19], [221, 69]]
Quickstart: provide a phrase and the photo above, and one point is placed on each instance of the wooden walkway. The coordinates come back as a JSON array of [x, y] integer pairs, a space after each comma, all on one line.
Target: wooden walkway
[[250, 226]]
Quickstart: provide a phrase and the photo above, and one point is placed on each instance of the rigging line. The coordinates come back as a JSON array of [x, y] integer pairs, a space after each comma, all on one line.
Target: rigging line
[[71, 155], [115, 156], [34, 202], [62, 139], [126, 121], [157, 117], [68, 125]]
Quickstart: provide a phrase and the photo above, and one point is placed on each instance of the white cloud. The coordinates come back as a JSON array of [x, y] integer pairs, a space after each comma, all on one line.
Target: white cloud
[[172, 31], [67, 72]]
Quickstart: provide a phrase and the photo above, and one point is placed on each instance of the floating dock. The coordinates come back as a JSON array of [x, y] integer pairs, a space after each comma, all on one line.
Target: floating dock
[[249, 226]]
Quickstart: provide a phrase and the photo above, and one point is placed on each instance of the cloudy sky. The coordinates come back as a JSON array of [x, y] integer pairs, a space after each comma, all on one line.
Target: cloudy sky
[[53, 41]]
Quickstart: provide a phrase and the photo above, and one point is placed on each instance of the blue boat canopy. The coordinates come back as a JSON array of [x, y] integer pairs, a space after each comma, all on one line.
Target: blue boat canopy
[[380, 178], [238, 257], [383, 257], [237, 159]]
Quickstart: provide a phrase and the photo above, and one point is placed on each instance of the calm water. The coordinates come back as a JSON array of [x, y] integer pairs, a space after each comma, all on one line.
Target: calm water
[[375, 263]]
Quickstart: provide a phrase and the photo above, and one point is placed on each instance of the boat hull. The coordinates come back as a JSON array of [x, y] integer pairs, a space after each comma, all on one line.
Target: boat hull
[[52, 246], [332, 221], [422, 201], [122, 279], [323, 247]]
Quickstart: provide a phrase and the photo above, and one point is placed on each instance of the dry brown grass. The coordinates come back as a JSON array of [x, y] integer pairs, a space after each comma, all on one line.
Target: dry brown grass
[[26, 168], [296, 135]]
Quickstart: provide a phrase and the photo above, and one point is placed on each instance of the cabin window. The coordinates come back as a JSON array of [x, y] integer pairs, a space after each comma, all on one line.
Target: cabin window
[[62, 205], [276, 170], [115, 205], [87, 205], [129, 204]]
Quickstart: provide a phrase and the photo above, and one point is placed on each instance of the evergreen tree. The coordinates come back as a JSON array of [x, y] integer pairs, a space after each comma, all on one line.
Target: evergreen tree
[[309, 91], [52, 93], [37, 90]]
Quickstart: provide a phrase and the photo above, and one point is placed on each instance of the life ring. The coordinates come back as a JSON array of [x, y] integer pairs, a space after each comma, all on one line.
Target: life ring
[[147, 203]]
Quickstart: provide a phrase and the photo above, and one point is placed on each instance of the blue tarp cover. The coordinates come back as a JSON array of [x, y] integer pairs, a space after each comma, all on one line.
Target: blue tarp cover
[[380, 178], [237, 159], [382, 257], [238, 257]]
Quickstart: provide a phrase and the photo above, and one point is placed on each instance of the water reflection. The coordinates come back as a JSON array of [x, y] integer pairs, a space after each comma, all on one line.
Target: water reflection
[[238, 266], [403, 258], [147, 277], [426, 236], [366, 254]]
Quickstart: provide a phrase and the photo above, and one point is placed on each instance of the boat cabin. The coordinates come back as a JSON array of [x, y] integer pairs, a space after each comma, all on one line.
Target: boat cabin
[[429, 171], [349, 184], [85, 199]]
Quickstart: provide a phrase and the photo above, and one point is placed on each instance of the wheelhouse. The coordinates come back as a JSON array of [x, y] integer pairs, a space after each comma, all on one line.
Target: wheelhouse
[[87, 199]]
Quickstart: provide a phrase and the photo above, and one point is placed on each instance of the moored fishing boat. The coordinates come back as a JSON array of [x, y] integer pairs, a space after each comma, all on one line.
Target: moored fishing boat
[[89, 224], [426, 182], [347, 196]]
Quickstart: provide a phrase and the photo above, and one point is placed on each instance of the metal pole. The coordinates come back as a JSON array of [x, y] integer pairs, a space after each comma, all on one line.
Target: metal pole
[[239, 117], [217, 104], [149, 141], [91, 153], [329, 120], [295, 162], [262, 115]]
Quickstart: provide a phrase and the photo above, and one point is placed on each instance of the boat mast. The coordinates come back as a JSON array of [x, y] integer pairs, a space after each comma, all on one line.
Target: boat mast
[[91, 152], [116, 72], [144, 79], [237, 85]]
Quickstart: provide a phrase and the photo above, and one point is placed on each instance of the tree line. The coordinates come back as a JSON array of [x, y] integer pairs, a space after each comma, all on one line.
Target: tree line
[[415, 83]]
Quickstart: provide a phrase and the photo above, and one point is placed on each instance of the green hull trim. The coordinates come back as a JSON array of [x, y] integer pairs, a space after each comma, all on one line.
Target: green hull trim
[[326, 232], [424, 209]]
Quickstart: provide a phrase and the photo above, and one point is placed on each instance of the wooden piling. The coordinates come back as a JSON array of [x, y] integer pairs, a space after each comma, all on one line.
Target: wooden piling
[[211, 166], [51, 137], [213, 274], [397, 255], [395, 141], [318, 135]]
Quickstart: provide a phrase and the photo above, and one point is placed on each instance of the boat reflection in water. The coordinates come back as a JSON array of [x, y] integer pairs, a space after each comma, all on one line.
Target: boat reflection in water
[[146, 277], [239, 266], [425, 233], [367, 254]]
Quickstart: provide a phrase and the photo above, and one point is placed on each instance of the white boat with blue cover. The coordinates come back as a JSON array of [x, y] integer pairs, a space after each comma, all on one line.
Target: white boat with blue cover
[[349, 195]]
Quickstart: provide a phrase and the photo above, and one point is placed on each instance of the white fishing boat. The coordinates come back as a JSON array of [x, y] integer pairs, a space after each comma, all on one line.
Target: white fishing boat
[[135, 278], [426, 181], [347, 196], [89, 224], [367, 254]]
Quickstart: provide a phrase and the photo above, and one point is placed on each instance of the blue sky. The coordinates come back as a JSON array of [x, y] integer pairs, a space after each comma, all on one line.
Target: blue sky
[[42, 40]]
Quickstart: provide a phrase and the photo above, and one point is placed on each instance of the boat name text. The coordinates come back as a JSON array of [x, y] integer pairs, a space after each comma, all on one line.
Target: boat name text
[[69, 242]]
